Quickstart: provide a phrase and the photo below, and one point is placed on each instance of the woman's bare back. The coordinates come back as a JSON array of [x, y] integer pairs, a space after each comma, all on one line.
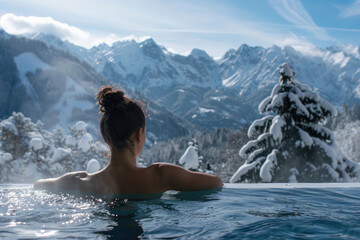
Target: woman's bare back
[[156, 178]]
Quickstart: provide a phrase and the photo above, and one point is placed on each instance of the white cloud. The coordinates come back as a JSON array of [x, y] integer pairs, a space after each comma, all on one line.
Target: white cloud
[[301, 44], [21, 25], [18, 25], [351, 10], [294, 12]]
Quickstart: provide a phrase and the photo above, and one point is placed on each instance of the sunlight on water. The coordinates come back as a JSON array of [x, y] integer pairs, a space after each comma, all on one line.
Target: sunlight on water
[[274, 213]]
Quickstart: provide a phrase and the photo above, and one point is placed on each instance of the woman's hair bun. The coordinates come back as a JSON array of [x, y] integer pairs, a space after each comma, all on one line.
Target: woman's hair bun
[[110, 98]]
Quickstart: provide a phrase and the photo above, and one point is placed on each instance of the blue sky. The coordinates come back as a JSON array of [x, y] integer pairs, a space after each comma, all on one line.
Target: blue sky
[[212, 25]]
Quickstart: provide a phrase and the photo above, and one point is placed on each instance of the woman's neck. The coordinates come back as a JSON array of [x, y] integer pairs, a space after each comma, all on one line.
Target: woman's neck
[[122, 158]]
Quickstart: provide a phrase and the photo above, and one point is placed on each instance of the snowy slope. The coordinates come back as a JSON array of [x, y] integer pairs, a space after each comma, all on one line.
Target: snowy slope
[[26, 63], [55, 87], [72, 99]]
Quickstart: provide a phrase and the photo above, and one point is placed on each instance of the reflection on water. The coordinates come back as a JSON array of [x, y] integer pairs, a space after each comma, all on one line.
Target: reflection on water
[[218, 214], [124, 227], [122, 213]]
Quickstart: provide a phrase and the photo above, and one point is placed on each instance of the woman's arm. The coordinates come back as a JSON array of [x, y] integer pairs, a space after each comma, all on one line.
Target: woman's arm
[[67, 182], [173, 177]]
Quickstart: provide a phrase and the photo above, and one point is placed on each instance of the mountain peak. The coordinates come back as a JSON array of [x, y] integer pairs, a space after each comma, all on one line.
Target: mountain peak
[[243, 47], [275, 48], [149, 42], [198, 53], [229, 53], [102, 46], [151, 49]]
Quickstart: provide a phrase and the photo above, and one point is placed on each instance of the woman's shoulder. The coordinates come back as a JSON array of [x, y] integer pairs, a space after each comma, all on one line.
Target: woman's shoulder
[[66, 181], [160, 165], [163, 167], [175, 177]]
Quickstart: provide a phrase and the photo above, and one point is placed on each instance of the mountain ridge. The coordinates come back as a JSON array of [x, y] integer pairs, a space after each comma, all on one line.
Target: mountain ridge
[[245, 75]]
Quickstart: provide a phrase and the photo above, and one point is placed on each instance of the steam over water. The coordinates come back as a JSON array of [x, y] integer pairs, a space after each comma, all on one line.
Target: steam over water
[[230, 213]]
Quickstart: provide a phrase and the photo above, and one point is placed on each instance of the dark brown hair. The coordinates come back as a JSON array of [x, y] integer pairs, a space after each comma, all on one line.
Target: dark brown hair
[[121, 116]]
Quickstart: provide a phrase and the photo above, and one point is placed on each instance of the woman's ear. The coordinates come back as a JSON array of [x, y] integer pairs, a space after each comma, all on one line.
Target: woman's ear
[[139, 134]]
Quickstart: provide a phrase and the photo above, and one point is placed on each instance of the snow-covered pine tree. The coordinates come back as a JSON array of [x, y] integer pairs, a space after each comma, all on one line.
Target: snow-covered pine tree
[[36, 162], [15, 134], [292, 144], [190, 159], [26, 148]]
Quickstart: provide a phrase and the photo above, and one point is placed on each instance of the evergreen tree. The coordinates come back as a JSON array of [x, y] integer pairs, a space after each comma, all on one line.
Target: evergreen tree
[[29, 146], [15, 134], [36, 162], [293, 145], [190, 159]]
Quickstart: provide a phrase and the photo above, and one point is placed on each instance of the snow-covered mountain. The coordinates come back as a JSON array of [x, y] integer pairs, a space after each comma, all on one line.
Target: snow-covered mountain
[[219, 92], [45, 83], [334, 72], [189, 86], [55, 87]]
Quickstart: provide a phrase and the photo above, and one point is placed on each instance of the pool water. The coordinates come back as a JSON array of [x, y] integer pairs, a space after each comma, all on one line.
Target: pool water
[[235, 212]]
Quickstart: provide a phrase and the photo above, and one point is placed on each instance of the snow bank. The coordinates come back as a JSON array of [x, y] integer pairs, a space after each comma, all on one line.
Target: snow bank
[[60, 153], [93, 166], [9, 126], [85, 142], [100, 147], [36, 144], [190, 159], [292, 177], [71, 141]]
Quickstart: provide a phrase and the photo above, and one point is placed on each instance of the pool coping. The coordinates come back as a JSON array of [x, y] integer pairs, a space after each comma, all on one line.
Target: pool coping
[[245, 185], [291, 185]]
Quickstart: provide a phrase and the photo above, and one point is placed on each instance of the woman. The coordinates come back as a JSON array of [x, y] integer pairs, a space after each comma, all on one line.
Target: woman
[[122, 127]]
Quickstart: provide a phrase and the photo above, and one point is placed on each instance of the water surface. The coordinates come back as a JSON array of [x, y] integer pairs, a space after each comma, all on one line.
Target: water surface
[[231, 213]]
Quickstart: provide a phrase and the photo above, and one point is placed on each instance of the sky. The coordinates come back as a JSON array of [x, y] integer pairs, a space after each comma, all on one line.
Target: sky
[[212, 25]]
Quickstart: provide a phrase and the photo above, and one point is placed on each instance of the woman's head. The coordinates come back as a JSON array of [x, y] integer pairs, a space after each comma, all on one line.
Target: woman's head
[[121, 119]]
